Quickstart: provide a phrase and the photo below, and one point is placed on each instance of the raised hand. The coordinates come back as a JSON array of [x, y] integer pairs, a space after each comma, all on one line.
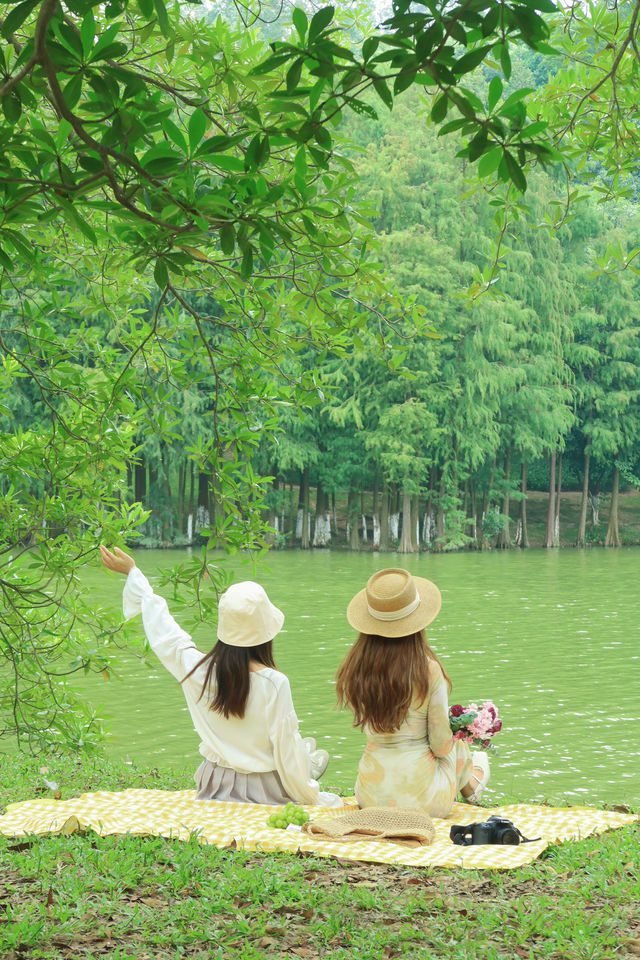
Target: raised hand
[[119, 561]]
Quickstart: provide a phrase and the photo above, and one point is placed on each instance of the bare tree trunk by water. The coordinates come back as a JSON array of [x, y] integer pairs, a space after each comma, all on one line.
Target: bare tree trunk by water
[[406, 545], [438, 546], [523, 539], [352, 515], [303, 507], [203, 514], [415, 522], [549, 540], [384, 519], [322, 527], [504, 536], [556, 520], [584, 502], [612, 538]]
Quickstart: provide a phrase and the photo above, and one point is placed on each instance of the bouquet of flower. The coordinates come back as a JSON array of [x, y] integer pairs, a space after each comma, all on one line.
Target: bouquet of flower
[[475, 724]]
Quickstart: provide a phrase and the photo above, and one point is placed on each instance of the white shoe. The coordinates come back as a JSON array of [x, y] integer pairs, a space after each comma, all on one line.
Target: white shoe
[[479, 760], [319, 763]]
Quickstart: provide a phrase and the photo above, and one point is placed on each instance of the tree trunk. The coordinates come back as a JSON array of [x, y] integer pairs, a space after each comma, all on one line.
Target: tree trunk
[[322, 529], [303, 508], [140, 480], [352, 515], [406, 545], [438, 545], [556, 520], [524, 533], [584, 503], [203, 515], [612, 538], [415, 522], [384, 519], [551, 507], [182, 482], [504, 536]]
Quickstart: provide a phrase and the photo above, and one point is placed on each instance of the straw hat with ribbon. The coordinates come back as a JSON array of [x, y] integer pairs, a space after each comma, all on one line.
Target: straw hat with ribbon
[[394, 604]]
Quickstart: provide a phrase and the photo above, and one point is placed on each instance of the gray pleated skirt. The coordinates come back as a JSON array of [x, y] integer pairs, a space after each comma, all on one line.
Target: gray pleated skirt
[[223, 783]]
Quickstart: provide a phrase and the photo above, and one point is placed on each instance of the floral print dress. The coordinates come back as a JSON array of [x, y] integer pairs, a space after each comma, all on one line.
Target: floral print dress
[[419, 765]]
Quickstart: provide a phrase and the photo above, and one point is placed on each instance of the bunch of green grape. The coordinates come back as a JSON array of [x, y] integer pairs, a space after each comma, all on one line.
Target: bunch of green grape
[[289, 814]]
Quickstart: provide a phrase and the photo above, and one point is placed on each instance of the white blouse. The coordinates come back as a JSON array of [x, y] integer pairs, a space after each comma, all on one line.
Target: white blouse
[[265, 739]]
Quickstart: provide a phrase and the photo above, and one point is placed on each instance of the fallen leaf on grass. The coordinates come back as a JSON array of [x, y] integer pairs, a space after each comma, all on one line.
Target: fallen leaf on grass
[[305, 913], [18, 847], [49, 901], [620, 808], [303, 952], [632, 946]]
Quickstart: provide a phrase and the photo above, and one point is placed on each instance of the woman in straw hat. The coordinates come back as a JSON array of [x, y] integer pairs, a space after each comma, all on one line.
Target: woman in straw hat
[[397, 689], [239, 702]]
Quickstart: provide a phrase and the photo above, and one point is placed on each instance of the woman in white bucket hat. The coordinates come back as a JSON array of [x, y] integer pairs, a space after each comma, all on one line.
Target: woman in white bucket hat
[[397, 689], [239, 702]]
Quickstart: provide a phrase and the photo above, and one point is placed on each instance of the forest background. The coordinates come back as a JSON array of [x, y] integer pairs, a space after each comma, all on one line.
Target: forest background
[[219, 294]]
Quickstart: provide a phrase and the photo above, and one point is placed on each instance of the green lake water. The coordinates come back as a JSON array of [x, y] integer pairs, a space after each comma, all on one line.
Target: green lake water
[[551, 636]]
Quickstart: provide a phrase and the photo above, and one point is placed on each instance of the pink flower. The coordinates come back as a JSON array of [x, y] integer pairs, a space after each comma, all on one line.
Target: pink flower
[[456, 710]]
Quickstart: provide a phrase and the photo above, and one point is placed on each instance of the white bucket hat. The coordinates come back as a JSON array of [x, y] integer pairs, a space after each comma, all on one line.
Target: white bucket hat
[[246, 616]]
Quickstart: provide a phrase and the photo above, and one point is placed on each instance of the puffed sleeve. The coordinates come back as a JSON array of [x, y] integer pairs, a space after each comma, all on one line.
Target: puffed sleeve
[[438, 727], [172, 645], [293, 762]]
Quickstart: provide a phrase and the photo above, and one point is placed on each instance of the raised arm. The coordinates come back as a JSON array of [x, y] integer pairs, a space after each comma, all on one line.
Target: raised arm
[[172, 645]]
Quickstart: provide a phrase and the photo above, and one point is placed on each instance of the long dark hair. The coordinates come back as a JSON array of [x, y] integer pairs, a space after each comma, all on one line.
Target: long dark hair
[[232, 675], [381, 677]]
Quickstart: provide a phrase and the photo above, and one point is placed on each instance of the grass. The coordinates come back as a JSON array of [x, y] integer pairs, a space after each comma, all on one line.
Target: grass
[[127, 898]]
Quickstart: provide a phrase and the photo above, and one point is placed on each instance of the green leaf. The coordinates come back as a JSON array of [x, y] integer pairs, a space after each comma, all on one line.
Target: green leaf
[[163, 18], [515, 172], [403, 81], [146, 8], [196, 129], [72, 91], [369, 47], [440, 108], [246, 267], [16, 17], [175, 134], [495, 92], [5, 261], [293, 74], [381, 88], [161, 274], [477, 145], [513, 101], [300, 22], [489, 162], [227, 239], [12, 105], [320, 20], [470, 60], [505, 61], [218, 144], [88, 33]]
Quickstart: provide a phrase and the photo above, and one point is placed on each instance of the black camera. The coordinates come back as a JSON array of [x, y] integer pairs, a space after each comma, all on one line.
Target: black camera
[[493, 830]]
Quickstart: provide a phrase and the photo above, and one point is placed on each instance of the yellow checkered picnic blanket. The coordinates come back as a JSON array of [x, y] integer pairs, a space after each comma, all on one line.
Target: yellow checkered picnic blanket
[[244, 825]]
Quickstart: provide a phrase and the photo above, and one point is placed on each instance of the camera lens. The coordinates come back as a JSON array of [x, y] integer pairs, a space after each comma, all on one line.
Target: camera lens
[[507, 835]]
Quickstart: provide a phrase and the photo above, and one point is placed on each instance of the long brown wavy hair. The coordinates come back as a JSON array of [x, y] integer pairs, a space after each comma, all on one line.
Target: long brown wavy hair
[[381, 677], [232, 675]]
